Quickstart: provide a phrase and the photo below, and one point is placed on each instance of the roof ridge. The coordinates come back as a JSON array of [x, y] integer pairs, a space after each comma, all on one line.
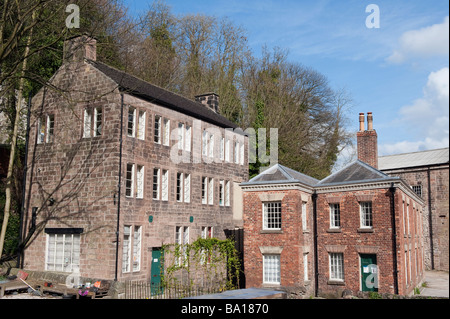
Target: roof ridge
[[166, 96], [400, 154]]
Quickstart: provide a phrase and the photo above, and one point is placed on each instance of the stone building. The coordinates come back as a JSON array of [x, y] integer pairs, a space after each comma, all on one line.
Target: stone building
[[358, 229], [120, 167], [428, 174]]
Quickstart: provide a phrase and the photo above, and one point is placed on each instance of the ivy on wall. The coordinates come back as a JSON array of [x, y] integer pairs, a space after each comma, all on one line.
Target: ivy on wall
[[205, 262]]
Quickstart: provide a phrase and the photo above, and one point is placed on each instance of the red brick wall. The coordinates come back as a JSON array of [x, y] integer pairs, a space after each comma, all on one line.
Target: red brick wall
[[293, 240], [368, 147], [352, 241]]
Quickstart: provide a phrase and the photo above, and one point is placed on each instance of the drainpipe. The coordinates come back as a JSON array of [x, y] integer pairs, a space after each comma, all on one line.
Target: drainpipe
[[430, 220], [316, 260], [394, 238], [119, 187]]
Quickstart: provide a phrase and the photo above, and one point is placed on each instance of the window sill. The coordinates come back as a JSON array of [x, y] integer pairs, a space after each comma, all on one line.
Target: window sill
[[271, 285], [336, 282], [271, 231], [365, 230], [334, 230]]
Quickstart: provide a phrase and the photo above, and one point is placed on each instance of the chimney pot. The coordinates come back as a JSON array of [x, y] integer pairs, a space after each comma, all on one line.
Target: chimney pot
[[361, 122], [369, 121]]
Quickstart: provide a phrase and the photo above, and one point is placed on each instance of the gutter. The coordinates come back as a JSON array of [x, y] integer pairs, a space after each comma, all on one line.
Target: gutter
[[394, 238], [316, 257], [119, 187], [430, 219]]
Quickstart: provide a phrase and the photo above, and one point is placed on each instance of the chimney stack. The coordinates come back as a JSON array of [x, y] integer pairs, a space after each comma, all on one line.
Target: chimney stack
[[367, 141], [78, 48], [210, 100]]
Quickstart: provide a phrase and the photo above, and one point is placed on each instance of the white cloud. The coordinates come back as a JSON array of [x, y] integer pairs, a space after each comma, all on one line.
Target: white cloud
[[426, 118], [426, 42]]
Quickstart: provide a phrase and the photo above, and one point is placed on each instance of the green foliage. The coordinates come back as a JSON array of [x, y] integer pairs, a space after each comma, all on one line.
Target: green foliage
[[212, 259]]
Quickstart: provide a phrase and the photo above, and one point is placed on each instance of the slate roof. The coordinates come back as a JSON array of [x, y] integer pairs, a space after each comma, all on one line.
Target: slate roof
[[152, 93], [423, 158], [281, 174], [355, 172]]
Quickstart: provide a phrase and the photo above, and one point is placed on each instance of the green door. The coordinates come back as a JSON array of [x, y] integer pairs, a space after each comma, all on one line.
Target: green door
[[369, 272], [156, 270]]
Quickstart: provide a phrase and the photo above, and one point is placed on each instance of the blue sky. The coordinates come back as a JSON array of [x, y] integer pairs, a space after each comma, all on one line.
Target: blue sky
[[398, 71]]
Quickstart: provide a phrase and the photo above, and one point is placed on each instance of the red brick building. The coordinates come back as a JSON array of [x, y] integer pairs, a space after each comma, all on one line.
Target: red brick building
[[119, 167], [357, 229], [428, 174]]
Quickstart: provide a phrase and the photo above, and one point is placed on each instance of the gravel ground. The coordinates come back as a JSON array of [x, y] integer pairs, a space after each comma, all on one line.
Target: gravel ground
[[25, 295]]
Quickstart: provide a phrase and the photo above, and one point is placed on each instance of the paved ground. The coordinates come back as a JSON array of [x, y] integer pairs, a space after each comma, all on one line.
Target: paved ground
[[437, 284]]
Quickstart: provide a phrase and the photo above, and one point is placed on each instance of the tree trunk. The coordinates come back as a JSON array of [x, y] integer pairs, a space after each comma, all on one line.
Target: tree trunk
[[12, 154]]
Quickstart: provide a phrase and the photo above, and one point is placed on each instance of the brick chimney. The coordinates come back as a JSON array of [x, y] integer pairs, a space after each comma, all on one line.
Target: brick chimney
[[210, 100], [78, 48], [367, 141]]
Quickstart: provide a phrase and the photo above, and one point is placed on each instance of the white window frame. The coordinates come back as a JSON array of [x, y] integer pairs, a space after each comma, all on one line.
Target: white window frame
[[179, 187], [87, 121], [182, 238], [50, 128], [165, 185], [141, 125], [166, 132], [336, 266], [272, 269], [204, 190], [132, 248], [157, 129], [242, 154], [207, 232], [236, 152], [98, 121], [129, 180], [304, 216], [221, 193], [205, 143], [366, 215], [274, 209], [211, 146], [187, 188], [137, 240], [45, 129], [188, 137], [69, 255], [140, 178], [126, 249], [227, 150], [227, 193], [211, 191], [305, 267], [156, 181], [222, 148], [131, 124], [335, 216], [181, 132]]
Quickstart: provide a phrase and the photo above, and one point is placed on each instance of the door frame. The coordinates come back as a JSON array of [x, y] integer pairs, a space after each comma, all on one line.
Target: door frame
[[362, 284]]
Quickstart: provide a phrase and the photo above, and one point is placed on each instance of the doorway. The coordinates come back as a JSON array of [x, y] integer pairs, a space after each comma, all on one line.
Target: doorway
[[156, 271], [369, 272]]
